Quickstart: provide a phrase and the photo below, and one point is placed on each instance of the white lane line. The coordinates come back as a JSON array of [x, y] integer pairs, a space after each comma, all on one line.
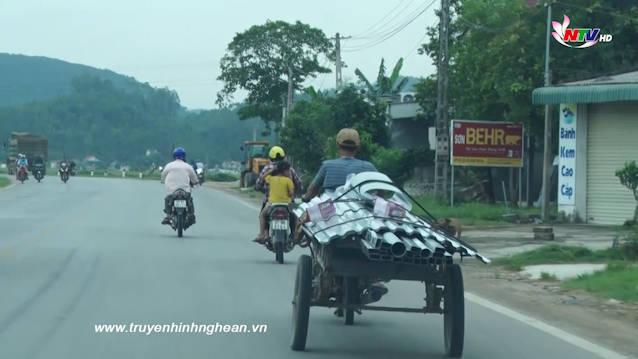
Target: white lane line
[[546, 328], [237, 199], [535, 323]]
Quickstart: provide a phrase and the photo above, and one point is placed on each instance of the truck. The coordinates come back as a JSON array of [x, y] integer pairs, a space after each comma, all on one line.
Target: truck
[[29, 144]]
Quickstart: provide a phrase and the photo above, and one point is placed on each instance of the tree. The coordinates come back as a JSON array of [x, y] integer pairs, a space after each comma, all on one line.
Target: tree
[[264, 58], [628, 177], [497, 54], [385, 88]]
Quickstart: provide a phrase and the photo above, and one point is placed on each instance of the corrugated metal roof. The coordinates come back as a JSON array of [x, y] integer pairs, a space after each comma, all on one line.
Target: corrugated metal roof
[[354, 216], [624, 78], [585, 93], [620, 87]]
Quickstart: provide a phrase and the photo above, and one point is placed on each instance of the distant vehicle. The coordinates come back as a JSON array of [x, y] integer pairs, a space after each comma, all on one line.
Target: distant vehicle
[[255, 159], [22, 175], [200, 175], [201, 172], [64, 171], [38, 171], [33, 146]]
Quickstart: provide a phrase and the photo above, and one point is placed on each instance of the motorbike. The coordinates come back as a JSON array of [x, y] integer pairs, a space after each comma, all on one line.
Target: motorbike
[[181, 218], [200, 175], [22, 174], [38, 172], [279, 238], [64, 172]]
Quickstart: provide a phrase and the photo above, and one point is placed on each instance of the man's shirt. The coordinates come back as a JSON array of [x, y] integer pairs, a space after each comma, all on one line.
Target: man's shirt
[[334, 173], [178, 175]]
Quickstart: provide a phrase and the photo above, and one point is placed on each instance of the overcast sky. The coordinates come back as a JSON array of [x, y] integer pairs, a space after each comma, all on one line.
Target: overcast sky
[[178, 44]]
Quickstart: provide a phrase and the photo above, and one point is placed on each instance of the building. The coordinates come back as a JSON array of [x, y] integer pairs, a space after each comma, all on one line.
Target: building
[[407, 131], [598, 134]]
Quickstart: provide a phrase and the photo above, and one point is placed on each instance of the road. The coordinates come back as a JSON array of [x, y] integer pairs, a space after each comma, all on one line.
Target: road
[[93, 252]]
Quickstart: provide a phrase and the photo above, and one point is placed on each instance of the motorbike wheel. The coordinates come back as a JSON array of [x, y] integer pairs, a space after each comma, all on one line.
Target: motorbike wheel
[[180, 226], [279, 252]]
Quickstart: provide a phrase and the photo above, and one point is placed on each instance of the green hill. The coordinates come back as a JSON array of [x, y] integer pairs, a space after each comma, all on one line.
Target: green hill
[[34, 78], [84, 111]]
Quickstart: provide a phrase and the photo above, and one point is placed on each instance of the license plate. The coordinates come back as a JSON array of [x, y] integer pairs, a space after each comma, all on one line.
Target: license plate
[[180, 203], [279, 225]]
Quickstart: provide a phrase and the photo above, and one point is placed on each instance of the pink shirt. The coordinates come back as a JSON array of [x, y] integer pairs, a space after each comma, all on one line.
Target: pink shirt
[[178, 175]]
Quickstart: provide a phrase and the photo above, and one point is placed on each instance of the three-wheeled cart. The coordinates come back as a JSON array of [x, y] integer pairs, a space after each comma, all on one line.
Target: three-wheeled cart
[[356, 249]]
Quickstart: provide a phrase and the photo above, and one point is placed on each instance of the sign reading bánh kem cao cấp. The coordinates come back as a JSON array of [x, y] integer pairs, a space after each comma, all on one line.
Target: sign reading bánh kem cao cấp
[[489, 144], [567, 158]]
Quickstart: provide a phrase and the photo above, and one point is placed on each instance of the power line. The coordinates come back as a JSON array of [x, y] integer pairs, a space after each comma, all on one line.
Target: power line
[[392, 33], [380, 29]]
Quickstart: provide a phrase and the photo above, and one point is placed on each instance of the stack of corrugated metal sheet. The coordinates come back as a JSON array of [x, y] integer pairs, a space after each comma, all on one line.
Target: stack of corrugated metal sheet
[[406, 238]]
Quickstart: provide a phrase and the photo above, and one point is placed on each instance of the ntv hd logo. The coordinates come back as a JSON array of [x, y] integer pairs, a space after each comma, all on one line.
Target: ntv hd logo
[[586, 37]]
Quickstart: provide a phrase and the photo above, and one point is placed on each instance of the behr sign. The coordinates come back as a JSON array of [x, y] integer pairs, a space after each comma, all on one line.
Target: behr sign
[[488, 144]]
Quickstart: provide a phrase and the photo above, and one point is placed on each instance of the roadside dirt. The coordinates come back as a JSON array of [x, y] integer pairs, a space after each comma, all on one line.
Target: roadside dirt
[[607, 322]]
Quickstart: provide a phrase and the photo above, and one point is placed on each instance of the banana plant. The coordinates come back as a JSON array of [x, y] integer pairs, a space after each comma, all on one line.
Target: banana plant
[[386, 87]]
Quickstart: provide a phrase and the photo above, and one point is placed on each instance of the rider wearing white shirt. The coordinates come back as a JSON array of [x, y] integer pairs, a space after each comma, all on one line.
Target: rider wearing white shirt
[[177, 175]]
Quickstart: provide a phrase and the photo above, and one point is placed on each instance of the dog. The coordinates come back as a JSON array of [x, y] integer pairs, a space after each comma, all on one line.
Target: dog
[[451, 226]]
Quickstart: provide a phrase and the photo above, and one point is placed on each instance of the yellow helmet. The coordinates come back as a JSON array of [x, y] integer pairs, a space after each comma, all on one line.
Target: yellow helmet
[[276, 153]]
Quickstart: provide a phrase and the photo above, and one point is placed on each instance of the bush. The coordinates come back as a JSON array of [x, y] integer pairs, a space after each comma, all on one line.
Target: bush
[[222, 177]]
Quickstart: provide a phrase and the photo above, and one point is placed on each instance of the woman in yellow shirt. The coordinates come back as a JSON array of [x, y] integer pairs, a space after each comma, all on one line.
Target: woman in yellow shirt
[[280, 190]]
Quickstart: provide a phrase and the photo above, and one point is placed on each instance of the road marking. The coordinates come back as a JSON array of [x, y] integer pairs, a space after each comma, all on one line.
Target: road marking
[[512, 314], [546, 328]]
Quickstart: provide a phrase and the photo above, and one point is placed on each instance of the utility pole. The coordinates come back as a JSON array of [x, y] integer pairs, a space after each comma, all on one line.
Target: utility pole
[[290, 97], [547, 156], [442, 157], [338, 62], [339, 79]]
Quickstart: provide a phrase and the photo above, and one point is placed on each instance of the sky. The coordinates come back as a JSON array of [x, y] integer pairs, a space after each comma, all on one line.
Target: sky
[[178, 44]]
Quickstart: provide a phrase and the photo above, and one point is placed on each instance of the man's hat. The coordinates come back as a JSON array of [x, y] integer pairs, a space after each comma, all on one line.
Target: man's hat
[[348, 137]]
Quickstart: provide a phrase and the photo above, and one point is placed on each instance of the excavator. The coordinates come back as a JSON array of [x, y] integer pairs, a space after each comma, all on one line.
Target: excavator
[[255, 159]]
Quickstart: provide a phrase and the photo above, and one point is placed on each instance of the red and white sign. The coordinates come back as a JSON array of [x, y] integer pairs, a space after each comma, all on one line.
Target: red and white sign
[[488, 144]]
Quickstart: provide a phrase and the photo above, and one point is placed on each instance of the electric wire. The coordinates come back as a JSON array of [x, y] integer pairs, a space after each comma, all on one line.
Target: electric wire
[[413, 16]]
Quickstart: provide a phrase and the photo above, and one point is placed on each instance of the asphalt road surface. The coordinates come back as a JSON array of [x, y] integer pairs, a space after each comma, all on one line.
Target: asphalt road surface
[[93, 252]]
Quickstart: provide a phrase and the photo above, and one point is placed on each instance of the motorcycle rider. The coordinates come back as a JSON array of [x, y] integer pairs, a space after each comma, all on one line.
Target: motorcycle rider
[[22, 164], [334, 173], [281, 190], [38, 163], [275, 155], [178, 175]]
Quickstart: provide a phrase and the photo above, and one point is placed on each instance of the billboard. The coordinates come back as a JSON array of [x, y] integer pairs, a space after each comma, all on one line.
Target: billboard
[[488, 144]]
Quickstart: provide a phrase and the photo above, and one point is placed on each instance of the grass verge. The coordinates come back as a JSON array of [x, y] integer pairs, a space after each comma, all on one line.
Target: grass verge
[[557, 254], [4, 182], [619, 281], [473, 213]]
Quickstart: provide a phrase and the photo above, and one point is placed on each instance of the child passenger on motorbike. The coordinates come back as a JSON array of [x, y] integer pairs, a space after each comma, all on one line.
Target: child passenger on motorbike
[[281, 190]]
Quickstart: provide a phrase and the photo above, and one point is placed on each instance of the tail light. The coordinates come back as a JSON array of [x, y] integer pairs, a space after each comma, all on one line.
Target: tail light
[[279, 213]]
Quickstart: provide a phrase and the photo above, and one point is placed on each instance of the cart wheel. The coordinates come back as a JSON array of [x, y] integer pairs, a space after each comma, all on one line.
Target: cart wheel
[[454, 317], [301, 303], [350, 294]]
